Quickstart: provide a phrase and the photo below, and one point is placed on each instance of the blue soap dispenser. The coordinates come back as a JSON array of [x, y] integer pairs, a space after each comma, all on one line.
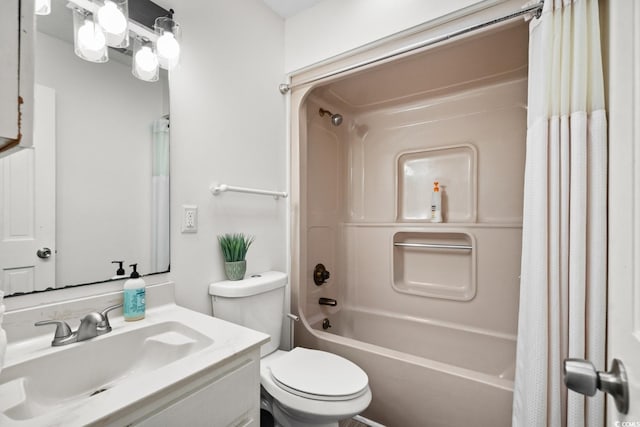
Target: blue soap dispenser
[[134, 296]]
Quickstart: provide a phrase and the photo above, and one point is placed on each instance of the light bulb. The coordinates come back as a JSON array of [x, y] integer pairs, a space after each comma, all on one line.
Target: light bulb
[[146, 60], [91, 41], [168, 47], [43, 7], [111, 18], [146, 64], [114, 23]]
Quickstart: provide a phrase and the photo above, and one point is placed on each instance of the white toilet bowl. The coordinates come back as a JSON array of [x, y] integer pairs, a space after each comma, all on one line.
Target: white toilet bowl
[[313, 388]]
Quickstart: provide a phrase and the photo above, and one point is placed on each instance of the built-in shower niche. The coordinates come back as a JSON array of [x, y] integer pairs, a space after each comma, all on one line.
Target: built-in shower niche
[[435, 264], [455, 169]]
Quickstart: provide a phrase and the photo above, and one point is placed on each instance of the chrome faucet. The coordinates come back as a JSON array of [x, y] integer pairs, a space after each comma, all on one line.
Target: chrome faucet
[[91, 325], [328, 301]]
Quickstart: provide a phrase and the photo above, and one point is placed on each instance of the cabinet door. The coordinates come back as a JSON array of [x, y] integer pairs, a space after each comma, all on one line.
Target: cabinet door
[[16, 74], [9, 68], [232, 399]]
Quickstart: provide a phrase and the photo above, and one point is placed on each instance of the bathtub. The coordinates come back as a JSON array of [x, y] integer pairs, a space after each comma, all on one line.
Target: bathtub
[[422, 373]]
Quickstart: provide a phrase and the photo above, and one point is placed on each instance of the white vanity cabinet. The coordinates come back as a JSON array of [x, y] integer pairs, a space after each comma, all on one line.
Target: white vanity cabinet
[[16, 75], [227, 396]]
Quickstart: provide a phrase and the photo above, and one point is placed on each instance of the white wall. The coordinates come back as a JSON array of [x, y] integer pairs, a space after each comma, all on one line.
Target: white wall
[[333, 27], [227, 125]]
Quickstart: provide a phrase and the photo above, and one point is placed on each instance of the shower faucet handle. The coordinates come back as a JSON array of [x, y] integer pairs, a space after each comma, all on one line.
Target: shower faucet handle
[[320, 275]]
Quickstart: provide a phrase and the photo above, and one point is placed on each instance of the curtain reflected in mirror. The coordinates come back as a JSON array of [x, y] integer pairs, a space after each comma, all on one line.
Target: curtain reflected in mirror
[[160, 196]]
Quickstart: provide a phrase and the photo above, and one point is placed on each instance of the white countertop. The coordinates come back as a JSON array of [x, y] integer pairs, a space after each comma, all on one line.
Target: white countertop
[[229, 341]]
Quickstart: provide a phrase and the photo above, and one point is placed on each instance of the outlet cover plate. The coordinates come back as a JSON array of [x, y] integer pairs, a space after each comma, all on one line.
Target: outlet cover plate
[[189, 218]]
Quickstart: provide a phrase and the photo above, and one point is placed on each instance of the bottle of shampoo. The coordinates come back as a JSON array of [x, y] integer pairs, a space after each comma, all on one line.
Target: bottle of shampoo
[[436, 203], [134, 296]]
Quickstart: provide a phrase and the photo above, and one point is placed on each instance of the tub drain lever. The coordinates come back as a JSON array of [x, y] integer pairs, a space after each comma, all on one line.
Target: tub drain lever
[[326, 324]]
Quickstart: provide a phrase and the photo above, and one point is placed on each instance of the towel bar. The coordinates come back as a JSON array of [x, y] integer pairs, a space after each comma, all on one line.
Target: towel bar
[[221, 188], [433, 246]]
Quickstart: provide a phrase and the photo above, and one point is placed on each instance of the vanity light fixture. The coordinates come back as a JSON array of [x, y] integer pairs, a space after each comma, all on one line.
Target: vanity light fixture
[[102, 23], [168, 43], [113, 17], [145, 64], [89, 40], [43, 7]]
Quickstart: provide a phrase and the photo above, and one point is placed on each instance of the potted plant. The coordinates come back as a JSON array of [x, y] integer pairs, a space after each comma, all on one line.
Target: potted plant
[[234, 250]]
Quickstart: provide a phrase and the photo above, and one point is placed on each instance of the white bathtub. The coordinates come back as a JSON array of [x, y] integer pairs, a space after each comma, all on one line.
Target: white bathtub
[[423, 373]]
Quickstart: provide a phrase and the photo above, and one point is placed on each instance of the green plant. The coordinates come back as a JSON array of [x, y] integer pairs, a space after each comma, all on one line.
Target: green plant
[[234, 246]]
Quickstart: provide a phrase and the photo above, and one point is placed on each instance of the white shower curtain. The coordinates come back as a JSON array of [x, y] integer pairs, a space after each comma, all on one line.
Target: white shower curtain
[[160, 196], [563, 273]]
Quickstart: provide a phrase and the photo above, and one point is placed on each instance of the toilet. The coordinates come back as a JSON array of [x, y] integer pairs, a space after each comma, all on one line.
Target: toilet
[[301, 387]]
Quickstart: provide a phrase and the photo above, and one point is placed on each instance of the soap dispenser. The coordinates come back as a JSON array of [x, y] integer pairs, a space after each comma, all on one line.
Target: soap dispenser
[[120, 274], [134, 296]]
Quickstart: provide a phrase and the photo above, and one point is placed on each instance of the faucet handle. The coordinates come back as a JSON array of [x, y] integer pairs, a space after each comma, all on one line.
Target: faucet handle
[[104, 324], [63, 330]]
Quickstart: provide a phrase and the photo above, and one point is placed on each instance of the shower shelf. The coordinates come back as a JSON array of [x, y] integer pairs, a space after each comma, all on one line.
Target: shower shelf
[[446, 269], [454, 166], [221, 188]]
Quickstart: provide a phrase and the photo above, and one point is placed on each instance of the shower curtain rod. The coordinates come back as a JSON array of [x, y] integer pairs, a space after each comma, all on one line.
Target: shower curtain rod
[[537, 9]]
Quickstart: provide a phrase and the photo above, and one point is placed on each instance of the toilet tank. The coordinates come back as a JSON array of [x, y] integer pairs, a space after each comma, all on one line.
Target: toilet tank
[[256, 302]]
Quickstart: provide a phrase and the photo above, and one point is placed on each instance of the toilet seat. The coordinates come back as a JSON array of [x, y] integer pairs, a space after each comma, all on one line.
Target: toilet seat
[[319, 375], [313, 408]]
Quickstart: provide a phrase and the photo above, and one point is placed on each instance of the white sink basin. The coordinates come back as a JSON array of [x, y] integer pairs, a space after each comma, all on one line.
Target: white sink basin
[[82, 370], [97, 381]]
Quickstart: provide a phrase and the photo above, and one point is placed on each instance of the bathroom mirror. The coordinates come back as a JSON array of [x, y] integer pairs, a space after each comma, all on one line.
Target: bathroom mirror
[[102, 194]]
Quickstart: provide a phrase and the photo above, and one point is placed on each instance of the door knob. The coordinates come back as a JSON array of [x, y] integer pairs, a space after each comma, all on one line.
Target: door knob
[[44, 253], [581, 376]]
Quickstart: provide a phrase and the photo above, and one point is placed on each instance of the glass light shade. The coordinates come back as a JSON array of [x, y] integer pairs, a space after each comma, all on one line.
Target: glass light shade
[[145, 64], [43, 7], [113, 17], [168, 43], [89, 40]]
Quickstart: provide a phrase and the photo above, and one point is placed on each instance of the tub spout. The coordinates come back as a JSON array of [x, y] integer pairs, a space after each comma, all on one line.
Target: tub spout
[[328, 301]]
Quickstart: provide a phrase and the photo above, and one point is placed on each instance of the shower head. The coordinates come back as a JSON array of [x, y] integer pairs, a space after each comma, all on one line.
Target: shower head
[[336, 119]]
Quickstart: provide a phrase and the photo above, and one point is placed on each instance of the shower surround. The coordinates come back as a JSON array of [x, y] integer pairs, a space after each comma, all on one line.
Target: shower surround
[[428, 310]]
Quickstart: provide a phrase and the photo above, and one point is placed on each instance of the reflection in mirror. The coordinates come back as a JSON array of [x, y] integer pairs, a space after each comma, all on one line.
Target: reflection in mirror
[[95, 189]]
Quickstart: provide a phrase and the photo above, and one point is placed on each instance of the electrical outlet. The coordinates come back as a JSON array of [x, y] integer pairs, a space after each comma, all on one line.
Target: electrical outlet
[[189, 219]]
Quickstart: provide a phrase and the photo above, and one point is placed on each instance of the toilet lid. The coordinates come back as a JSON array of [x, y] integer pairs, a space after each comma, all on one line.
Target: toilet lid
[[319, 375]]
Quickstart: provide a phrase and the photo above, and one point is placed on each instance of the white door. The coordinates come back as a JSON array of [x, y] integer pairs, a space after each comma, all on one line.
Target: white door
[[624, 201], [27, 206]]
